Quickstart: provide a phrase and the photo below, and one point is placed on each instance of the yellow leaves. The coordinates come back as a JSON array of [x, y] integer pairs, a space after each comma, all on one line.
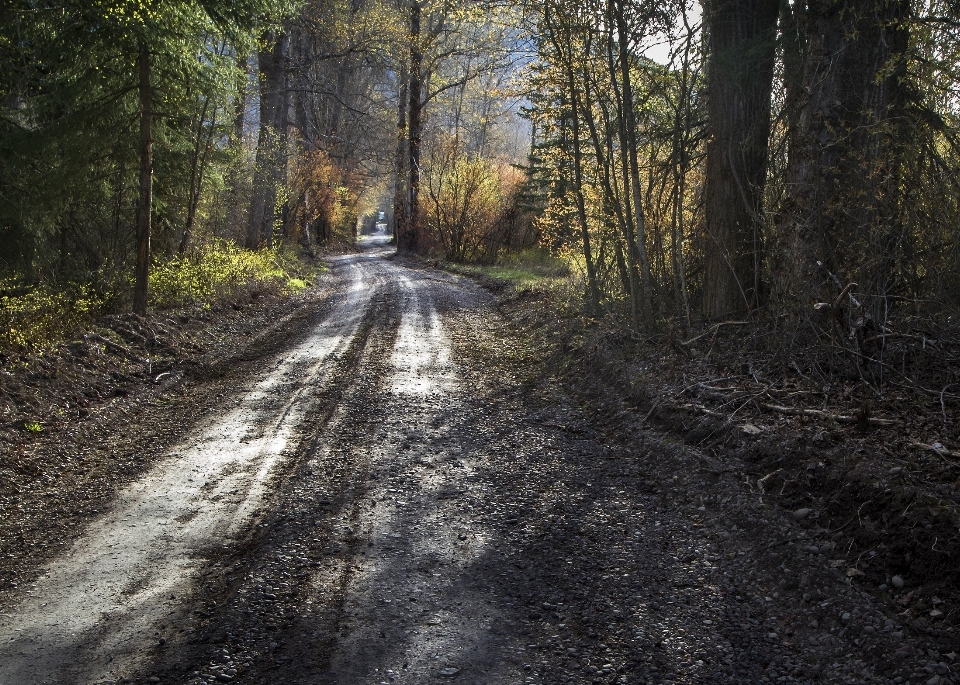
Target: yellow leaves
[[331, 193], [40, 317], [219, 268]]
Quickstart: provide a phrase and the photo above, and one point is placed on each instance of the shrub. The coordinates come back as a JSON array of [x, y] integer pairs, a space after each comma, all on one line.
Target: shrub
[[37, 317], [220, 268]]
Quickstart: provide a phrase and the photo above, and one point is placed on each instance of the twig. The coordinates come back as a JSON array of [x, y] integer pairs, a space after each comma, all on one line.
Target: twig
[[751, 399], [943, 452], [943, 406], [837, 302], [706, 384], [713, 329], [116, 347], [701, 408], [839, 418], [652, 409]]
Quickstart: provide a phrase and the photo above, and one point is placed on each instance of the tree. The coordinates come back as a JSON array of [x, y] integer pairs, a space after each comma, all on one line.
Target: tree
[[84, 72], [741, 37], [853, 128]]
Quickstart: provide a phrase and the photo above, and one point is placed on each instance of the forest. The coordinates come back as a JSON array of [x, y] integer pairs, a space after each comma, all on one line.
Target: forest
[[504, 341], [747, 159]]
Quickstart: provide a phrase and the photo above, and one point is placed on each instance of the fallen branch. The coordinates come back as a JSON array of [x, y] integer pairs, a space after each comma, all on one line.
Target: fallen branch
[[116, 347], [713, 329], [839, 418], [941, 450], [704, 410]]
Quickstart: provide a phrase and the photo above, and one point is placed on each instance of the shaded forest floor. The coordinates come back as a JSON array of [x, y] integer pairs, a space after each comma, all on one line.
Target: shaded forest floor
[[867, 477]]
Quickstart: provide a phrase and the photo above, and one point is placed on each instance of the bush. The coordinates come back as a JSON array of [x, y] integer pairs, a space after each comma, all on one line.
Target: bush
[[219, 269], [35, 318]]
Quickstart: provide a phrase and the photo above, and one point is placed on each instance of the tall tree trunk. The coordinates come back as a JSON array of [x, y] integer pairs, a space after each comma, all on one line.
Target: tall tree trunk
[[741, 38], [197, 167], [564, 45], [628, 203], [400, 165], [410, 239], [145, 208], [843, 174], [592, 288], [630, 130], [270, 151]]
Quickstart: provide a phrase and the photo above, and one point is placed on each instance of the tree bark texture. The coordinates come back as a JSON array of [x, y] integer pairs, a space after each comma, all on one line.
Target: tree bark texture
[[843, 175], [271, 142], [410, 238], [401, 174], [741, 42], [145, 207]]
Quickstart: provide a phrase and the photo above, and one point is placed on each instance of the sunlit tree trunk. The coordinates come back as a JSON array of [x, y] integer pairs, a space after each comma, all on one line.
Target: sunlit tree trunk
[[271, 141], [639, 244], [401, 174]]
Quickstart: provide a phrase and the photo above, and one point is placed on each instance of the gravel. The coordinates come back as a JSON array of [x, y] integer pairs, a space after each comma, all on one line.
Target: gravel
[[454, 512]]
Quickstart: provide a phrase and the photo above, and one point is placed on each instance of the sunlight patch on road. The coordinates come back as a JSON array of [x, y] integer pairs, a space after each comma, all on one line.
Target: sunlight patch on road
[[421, 357], [98, 606]]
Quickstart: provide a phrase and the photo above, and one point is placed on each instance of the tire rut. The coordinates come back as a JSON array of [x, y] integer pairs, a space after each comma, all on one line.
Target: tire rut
[[98, 608], [254, 590]]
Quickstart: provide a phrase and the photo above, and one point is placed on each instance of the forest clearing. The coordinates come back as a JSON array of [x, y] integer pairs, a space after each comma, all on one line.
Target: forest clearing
[[402, 341]]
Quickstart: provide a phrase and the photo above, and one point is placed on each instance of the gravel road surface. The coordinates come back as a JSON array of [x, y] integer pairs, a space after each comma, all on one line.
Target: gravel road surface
[[387, 500]]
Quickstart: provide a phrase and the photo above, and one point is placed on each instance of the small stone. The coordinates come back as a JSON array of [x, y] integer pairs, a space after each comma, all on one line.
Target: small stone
[[801, 514], [936, 613], [895, 470], [897, 582], [869, 630], [449, 672], [845, 616], [814, 623], [224, 678], [935, 680]]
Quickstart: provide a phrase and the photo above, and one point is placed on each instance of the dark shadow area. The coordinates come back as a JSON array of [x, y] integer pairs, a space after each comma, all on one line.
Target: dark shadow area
[[484, 534]]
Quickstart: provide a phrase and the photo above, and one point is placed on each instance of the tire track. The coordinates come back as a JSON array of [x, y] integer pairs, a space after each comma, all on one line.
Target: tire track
[[97, 608]]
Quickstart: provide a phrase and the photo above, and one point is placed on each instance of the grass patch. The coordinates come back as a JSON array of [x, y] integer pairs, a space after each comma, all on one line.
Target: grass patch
[[526, 269]]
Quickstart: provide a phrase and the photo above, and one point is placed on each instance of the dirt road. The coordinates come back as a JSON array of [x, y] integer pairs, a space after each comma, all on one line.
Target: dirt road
[[386, 502]]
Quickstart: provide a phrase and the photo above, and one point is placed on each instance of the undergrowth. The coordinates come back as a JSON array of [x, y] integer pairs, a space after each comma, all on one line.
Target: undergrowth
[[38, 317], [533, 268], [219, 269]]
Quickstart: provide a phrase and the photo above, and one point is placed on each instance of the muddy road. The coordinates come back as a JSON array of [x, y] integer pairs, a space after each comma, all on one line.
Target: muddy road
[[386, 500]]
